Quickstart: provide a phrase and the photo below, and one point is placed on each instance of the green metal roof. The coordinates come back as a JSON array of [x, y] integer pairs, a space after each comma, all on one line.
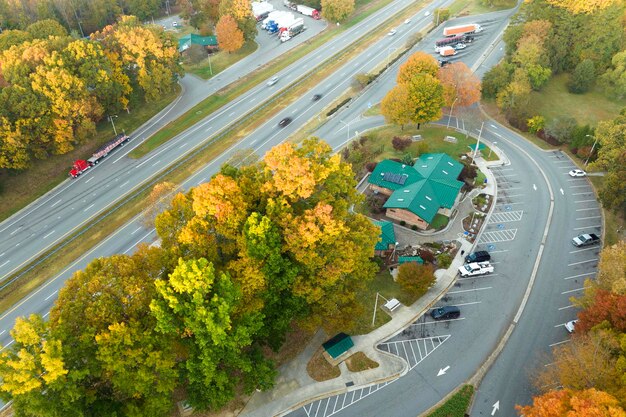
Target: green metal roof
[[432, 184], [405, 259], [386, 169], [338, 345], [186, 41], [387, 235]]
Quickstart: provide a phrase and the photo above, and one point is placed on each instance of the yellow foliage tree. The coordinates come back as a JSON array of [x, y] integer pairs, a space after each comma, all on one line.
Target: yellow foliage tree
[[337, 10], [229, 36], [584, 6], [395, 106]]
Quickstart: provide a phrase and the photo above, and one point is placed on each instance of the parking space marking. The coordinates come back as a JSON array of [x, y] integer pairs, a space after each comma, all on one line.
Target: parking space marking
[[506, 216], [499, 251], [587, 218], [411, 350], [587, 209], [498, 236], [595, 226], [560, 343], [576, 290], [585, 201], [579, 186], [473, 289], [566, 307], [582, 250], [588, 192], [588, 274], [583, 262]]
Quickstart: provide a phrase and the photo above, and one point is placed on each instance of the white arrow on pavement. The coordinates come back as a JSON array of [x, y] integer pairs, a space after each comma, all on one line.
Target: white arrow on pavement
[[496, 407], [443, 371], [562, 192], [535, 187]]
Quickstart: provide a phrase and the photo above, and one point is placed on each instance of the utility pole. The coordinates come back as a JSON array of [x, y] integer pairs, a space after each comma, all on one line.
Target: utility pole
[[477, 143], [112, 123], [450, 116], [592, 148]]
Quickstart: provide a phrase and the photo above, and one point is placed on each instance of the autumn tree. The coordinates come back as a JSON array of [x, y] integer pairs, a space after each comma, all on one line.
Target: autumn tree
[[46, 28], [395, 106], [612, 268], [566, 402], [158, 201], [460, 85], [242, 13], [198, 306], [337, 10], [602, 306], [418, 63], [416, 279], [584, 6], [229, 37]]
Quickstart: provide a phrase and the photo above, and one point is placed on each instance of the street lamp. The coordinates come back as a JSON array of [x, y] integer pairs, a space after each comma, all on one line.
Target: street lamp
[[477, 143], [111, 120], [493, 145], [450, 116], [592, 148], [210, 68], [348, 125]]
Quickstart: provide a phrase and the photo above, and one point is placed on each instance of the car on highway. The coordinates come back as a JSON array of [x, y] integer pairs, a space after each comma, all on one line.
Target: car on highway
[[459, 46], [316, 97], [406, 22], [447, 312], [427, 14], [570, 326], [443, 62], [284, 122], [479, 256], [392, 32], [577, 173], [272, 81]]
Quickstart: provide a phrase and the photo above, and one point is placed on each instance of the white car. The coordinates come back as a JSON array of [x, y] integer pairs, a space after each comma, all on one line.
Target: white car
[[392, 32], [577, 173], [406, 22], [272, 81], [570, 325], [427, 14], [460, 46], [175, 24], [476, 268]]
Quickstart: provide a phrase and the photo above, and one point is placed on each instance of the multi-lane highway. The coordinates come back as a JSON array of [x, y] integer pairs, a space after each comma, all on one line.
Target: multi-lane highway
[[538, 209]]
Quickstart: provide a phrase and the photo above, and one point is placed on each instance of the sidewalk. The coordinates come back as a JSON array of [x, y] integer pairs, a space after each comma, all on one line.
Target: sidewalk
[[294, 388]]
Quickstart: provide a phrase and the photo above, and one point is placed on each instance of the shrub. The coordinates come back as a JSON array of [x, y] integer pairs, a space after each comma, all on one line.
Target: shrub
[[444, 260], [562, 128], [407, 159], [399, 143], [469, 172], [427, 256], [416, 279], [402, 223], [414, 227], [496, 79], [370, 166], [361, 80], [535, 124]]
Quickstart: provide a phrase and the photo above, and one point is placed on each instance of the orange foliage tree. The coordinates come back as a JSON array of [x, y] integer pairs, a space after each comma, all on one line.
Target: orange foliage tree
[[229, 36], [460, 85], [568, 403]]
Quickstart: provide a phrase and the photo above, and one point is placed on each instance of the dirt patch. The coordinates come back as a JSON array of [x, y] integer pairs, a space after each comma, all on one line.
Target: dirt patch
[[319, 369], [360, 362], [295, 342]]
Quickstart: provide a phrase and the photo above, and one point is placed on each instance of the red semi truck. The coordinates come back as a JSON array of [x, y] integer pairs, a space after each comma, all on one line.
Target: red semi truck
[[81, 165]]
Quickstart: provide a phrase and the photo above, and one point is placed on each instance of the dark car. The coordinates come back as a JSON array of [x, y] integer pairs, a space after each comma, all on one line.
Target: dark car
[[317, 97], [284, 122], [443, 62], [444, 313], [480, 256]]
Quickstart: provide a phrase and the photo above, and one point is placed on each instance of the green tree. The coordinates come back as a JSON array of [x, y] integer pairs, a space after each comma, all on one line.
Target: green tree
[[8, 38], [583, 77], [198, 306], [337, 10], [561, 128], [497, 79], [416, 279], [614, 79], [45, 28]]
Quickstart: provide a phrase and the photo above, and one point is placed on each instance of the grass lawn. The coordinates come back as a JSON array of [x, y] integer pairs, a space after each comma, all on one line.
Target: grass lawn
[[439, 222], [220, 61], [554, 101], [457, 405], [319, 369], [360, 362]]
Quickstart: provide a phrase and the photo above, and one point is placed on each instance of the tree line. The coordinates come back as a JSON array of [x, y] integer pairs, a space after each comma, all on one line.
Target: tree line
[[55, 88], [241, 259], [590, 371]]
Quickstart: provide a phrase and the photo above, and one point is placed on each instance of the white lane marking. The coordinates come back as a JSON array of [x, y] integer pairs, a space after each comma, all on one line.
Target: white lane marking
[[48, 234], [88, 208], [587, 218], [253, 99], [583, 201], [5, 263], [131, 247], [136, 230], [183, 145], [587, 209], [51, 295], [157, 162], [588, 192], [583, 262], [582, 250], [124, 184], [2, 332], [566, 307], [597, 226], [562, 192], [560, 343], [535, 187], [16, 230], [579, 186], [232, 114], [90, 178], [589, 274], [55, 203], [473, 289], [208, 128], [494, 126], [7, 345]]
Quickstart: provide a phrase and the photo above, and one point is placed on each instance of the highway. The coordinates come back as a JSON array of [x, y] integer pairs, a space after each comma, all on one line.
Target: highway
[[73, 204], [538, 209]]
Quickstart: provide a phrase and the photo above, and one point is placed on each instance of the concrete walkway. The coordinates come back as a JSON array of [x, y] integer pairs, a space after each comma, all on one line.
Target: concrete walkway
[[294, 388]]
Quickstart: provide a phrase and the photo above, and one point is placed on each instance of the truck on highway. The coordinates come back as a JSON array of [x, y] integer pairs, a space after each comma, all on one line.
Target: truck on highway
[[462, 29], [586, 240], [308, 11], [451, 41], [447, 51], [81, 165], [294, 29], [476, 268]]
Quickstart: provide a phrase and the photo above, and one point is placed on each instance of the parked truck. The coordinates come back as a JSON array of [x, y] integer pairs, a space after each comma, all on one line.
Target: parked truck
[[447, 51], [261, 9], [283, 21], [289, 32], [289, 4], [308, 11], [462, 29], [475, 269], [81, 165], [586, 239]]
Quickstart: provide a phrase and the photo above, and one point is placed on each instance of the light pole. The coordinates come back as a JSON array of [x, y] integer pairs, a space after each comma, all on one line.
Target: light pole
[[592, 148], [493, 144], [348, 125], [450, 116], [477, 143], [112, 123]]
